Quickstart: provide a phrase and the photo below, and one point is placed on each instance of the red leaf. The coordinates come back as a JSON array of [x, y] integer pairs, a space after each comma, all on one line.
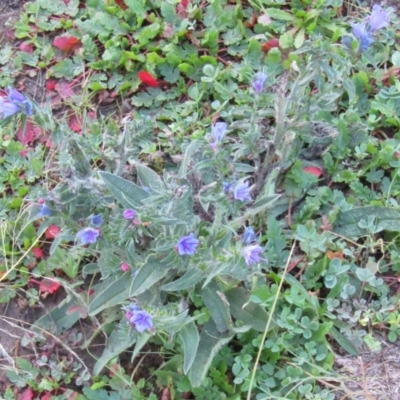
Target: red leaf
[[75, 123], [51, 84], [48, 395], [27, 394], [37, 252], [52, 231], [181, 8], [66, 43], [313, 170], [122, 4], [28, 133], [64, 89], [148, 79], [46, 285], [266, 47], [25, 47]]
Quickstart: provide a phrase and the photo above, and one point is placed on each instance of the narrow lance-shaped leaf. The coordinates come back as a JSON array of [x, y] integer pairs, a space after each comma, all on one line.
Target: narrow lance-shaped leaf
[[211, 341], [190, 338], [219, 309]]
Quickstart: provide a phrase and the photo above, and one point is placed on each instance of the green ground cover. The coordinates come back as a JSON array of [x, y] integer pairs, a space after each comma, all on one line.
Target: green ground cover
[[211, 185]]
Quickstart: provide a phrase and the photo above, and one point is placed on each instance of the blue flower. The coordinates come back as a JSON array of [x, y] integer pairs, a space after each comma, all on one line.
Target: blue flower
[[363, 35], [88, 235], [252, 253], [187, 245], [16, 102], [258, 82], [44, 211], [138, 318], [218, 131], [142, 320], [129, 213], [241, 191], [97, 220], [378, 19], [249, 235]]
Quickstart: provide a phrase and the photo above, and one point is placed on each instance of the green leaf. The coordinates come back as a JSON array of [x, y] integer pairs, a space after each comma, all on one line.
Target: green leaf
[[112, 294], [211, 341], [218, 308], [251, 314], [150, 273], [127, 193], [280, 14], [343, 342], [396, 58], [190, 338], [189, 151], [298, 42], [58, 319], [386, 218], [81, 163], [148, 178], [122, 337], [187, 281]]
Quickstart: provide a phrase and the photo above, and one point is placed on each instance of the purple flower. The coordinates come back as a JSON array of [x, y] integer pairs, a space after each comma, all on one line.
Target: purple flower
[[218, 131], [88, 235], [97, 220], [363, 35], [378, 19], [129, 213], [258, 82], [44, 211], [241, 191], [7, 108], [140, 319], [15, 103], [249, 236], [252, 253], [187, 245]]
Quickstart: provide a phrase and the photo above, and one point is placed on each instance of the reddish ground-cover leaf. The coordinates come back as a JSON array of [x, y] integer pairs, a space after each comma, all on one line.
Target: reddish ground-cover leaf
[[46, 285], [266, 47], [27, 394], [52, 231], [48, 395], [181, 8], [75, 123], [313, 170], [66, 43], [122, 4], [51, 84], [25, 47], [28, 133], [148, 79], [37, 252], [64, 89]]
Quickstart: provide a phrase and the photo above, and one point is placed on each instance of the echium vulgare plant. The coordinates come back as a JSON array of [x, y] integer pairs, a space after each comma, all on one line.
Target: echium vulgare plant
[[193, 238]]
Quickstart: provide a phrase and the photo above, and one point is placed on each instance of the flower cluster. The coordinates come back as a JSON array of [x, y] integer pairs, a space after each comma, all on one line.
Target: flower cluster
[[364, 30], [252, 252], [14, 103], [138, 318]]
